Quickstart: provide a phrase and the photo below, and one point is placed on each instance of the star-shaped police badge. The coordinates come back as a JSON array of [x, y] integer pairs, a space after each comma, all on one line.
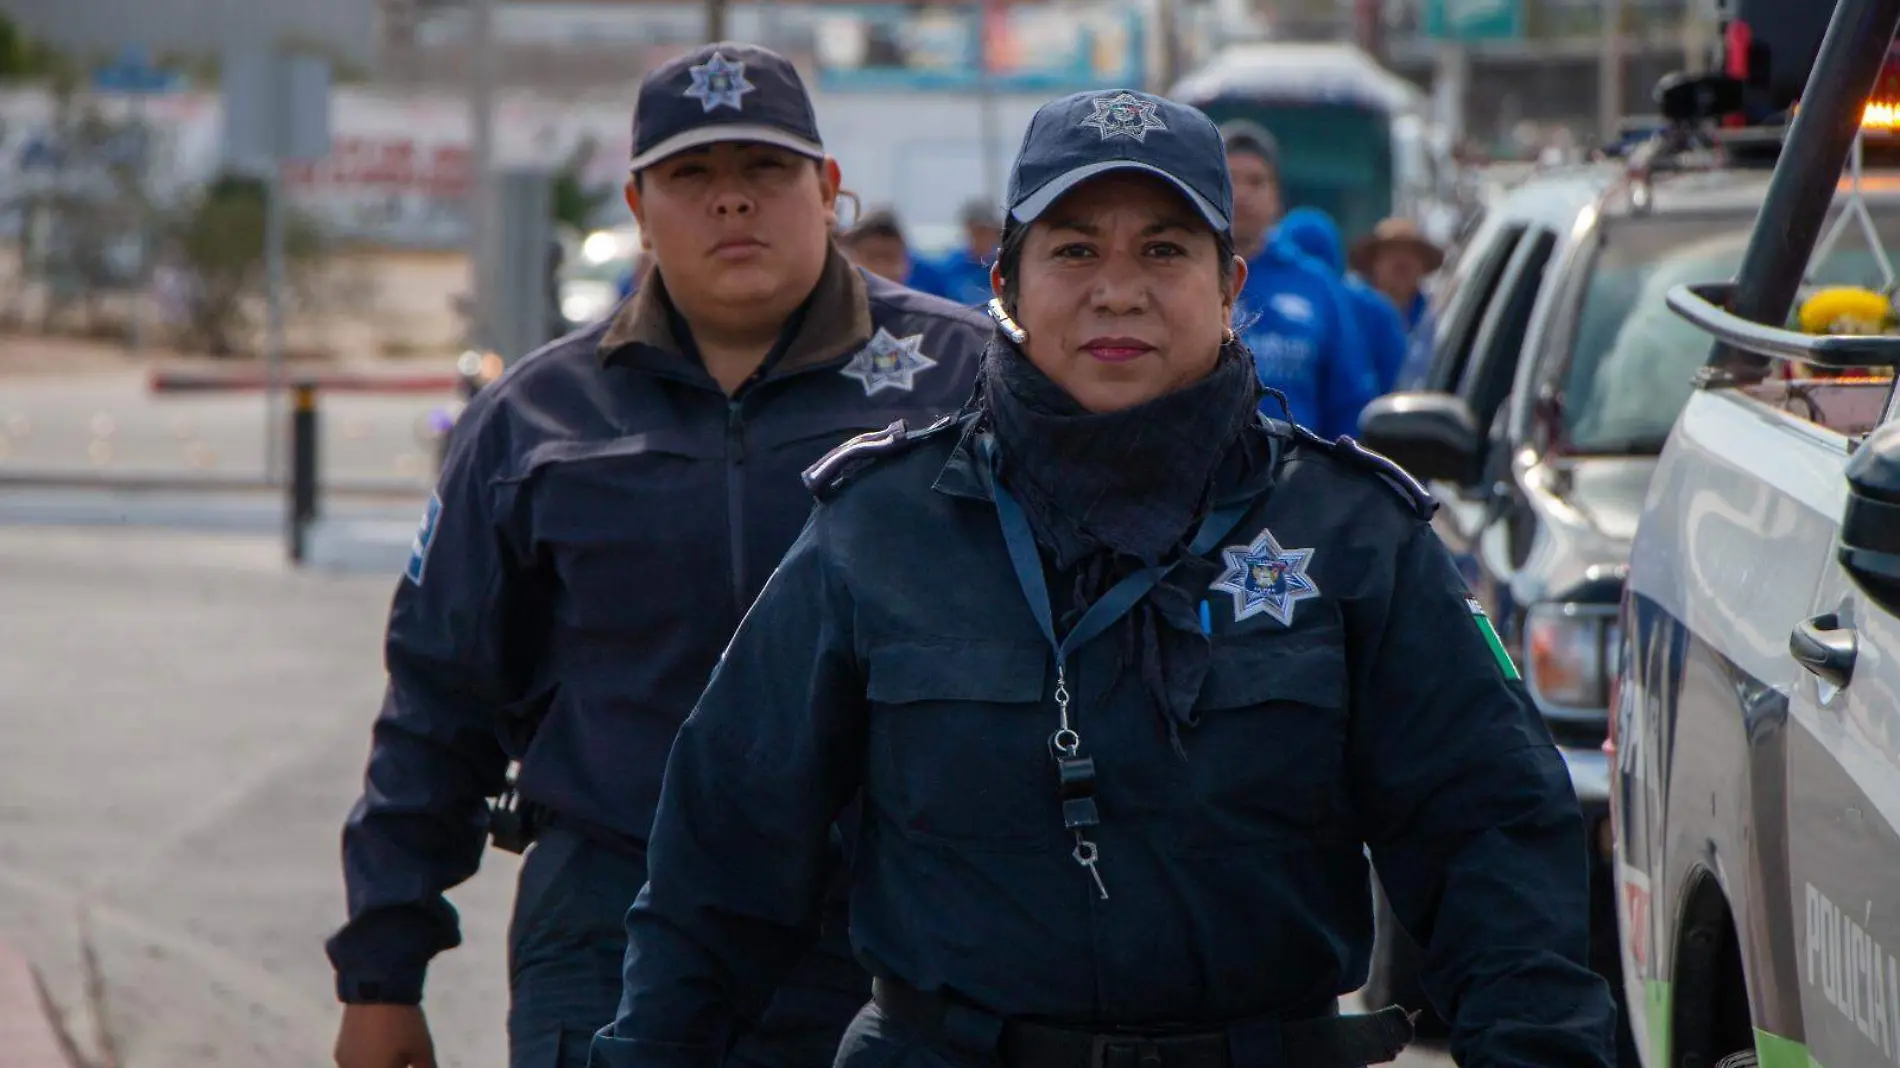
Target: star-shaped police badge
[[887, 362], [1265, 578], [719, 83], [1124, 115]]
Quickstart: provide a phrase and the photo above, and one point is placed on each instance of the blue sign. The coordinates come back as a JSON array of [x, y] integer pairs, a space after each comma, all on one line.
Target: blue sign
[[133, 72], [1029, 48], [1474, 20]]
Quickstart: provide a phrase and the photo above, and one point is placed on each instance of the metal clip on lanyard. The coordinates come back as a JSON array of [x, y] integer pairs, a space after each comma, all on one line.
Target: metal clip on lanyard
[[1075, 773]]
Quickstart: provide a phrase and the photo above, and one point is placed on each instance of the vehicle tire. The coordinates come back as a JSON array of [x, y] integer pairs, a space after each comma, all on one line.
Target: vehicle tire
[[1394, 978]]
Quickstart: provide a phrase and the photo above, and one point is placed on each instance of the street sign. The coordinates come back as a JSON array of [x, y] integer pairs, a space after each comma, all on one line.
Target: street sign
[[133, 72], [276, 109], [1474, 20]]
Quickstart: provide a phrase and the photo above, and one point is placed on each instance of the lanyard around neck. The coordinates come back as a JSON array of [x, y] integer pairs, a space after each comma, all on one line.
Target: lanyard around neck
[[1075, 772], [1120, 598]]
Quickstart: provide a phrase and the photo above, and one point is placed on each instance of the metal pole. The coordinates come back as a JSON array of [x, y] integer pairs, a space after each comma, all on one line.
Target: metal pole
[[1610, 74], [303, 468], [481, 207], [274, 329], [715, 20], [1449, 82], [1809, 170], [986, 122]]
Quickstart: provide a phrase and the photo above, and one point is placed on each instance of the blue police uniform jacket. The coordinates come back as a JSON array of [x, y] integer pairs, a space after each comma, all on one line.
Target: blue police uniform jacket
[[1378, 323], [1305, 345], [605, 516], [1352, 697]]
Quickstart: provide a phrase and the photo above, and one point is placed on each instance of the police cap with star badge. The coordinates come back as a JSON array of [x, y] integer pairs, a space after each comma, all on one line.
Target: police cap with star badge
[[1078, 137], [723, 92]]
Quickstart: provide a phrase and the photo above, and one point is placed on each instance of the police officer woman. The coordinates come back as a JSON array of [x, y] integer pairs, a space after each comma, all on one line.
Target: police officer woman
[[608, 510], [1128, 677]]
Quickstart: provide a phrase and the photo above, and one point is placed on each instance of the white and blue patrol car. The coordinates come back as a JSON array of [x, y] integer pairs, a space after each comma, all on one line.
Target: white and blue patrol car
[[1755, 778]]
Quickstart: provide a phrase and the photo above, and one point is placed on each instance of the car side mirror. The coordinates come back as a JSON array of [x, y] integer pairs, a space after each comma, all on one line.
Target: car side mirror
[[1870, 529], [1432, 435]]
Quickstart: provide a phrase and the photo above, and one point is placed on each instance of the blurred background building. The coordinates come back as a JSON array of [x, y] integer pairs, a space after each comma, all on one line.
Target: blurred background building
[[110, 114]]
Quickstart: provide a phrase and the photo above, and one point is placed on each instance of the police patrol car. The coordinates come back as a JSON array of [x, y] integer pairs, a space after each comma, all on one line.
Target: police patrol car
[[1756, 728]]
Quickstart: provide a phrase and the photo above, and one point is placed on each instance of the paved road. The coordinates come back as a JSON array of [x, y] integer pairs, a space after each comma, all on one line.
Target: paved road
[[184, 728], [184, 724]]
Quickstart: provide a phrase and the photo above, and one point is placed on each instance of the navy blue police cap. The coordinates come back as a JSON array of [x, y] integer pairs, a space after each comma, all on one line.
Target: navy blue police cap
[[1078, 137], [723, 92]]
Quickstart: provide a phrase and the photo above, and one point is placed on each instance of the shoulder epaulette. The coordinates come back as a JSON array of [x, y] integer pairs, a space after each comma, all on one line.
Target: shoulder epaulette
[[1416, 496], [830, 474]]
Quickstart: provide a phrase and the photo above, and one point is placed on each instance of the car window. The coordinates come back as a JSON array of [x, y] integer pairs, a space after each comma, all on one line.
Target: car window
[[1633, 362], [1459, 307], [1500, 341]]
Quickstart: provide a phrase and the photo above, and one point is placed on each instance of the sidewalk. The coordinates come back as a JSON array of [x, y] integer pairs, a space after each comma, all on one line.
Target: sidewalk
[[350, 537], [30, 1034]]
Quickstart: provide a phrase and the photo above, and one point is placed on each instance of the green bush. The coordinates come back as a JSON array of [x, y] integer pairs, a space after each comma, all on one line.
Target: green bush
[[219, 242]]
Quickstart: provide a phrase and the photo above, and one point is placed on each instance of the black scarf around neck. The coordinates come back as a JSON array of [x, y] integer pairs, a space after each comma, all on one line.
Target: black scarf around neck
[[1107, 494], [1130, 482]]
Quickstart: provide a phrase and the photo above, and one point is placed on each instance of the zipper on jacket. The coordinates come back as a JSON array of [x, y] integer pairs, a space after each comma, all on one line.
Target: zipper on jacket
[[735, 500]]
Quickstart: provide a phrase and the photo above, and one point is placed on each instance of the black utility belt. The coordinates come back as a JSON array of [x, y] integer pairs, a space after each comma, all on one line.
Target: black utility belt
[[1321, 1042]]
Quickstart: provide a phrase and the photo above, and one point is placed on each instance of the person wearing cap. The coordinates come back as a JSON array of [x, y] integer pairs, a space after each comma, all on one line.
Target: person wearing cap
[[1396, 258], [1125, 678], [876, 243], [1315, 235], [963, 274], [607, 512], [1294, 313]]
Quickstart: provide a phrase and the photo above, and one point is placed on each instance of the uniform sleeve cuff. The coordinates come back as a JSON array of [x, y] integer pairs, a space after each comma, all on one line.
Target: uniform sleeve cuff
[[387, 990]]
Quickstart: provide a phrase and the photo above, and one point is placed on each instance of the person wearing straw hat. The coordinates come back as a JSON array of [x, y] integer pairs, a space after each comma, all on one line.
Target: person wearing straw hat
[[607, 512], [1395, 259], [1126, 679]]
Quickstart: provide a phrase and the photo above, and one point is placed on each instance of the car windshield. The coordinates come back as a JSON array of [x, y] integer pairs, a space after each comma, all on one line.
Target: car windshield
[[1633, 362]]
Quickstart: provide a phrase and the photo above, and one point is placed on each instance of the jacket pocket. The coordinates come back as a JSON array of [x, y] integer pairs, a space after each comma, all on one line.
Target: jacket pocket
[[960, 743], [1267, 757]]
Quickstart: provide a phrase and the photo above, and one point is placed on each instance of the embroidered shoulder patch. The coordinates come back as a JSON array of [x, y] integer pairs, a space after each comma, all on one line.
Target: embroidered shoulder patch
[[425, 537], [831, 473], [1492, 640], [1265, 579]]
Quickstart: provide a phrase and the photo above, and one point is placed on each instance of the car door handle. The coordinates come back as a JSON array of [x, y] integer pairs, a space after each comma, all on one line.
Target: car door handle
[[1827, 649]]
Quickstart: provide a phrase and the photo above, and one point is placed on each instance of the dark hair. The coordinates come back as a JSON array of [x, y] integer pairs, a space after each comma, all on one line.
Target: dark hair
[[1240, 135], [881, 223], [1015, 235]]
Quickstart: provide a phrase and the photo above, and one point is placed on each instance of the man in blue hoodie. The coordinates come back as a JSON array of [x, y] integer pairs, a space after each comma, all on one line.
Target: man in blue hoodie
[[1292, 313], [963, 274], [1314, 233]]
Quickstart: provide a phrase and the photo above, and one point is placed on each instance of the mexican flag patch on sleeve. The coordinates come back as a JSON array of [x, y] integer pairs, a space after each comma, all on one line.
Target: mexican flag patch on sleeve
[[1491, 639]]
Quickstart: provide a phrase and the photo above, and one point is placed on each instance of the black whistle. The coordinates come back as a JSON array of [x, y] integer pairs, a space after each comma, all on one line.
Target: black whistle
[[1075, 778]]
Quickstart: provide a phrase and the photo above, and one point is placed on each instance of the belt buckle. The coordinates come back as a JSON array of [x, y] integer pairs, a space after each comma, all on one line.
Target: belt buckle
[[1123, 1051]]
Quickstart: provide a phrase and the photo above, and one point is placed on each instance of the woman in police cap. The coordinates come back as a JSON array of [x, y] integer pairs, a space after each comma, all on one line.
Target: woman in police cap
[[607, 511], [1128, 677]]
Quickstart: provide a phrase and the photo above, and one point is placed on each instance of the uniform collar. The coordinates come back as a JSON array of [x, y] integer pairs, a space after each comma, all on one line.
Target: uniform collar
[[965, 474], [1246, 473], [836, 322]]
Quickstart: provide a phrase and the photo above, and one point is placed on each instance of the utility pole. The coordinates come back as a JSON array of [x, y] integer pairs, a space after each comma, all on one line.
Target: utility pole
[[1610, 74], [715, 20], [481, 207]]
